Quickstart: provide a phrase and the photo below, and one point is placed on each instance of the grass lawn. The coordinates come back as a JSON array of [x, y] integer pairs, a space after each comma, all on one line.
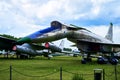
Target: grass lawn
[[38, 67]]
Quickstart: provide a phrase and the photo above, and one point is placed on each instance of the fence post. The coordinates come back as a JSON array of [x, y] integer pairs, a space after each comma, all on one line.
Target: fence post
[[103, 74], [10, 72], [115, 72], [60, 73]]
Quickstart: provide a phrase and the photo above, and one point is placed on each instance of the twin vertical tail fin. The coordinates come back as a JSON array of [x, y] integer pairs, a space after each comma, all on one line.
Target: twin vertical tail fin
[[109, 35]]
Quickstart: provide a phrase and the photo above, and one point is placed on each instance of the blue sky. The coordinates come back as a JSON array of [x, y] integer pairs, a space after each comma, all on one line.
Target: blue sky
[[22, 17]]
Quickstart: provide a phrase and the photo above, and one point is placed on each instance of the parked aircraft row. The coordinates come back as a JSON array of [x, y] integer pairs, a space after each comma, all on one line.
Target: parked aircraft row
[[86, 41]]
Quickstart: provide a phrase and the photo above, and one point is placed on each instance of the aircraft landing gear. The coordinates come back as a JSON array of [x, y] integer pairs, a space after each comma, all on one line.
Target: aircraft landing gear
[[86, 58], [83, 61], [114, 61], [24, 56], [102, 60]]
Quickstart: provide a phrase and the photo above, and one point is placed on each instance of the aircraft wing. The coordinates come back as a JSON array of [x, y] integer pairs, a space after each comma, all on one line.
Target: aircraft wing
[[6, 43], [97, 46], [89, 42]]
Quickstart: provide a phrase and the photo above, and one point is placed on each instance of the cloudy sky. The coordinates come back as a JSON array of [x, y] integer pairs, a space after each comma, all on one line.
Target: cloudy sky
[[22, 17]]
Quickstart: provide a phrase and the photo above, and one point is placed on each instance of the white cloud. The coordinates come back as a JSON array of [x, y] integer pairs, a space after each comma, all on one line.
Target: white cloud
[[64, 9], [22, 17], [116, 34], [102, 31]]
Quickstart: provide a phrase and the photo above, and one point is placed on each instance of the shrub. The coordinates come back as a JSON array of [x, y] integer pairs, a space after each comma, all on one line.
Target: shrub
[[77, 77]]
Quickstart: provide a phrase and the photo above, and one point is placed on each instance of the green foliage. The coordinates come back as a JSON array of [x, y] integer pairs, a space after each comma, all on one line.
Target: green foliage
[[9, 36], [77, 77]]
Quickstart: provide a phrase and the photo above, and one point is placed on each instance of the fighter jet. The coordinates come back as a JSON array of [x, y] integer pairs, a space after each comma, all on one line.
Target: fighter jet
[[28, 50], [85, 40]]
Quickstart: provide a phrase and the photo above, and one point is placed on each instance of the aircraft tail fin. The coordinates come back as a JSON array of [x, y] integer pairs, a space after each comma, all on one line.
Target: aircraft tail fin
[[62, 45], [109, 35]]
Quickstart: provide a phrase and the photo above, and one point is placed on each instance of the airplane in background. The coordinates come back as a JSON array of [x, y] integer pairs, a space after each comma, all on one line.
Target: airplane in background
[[27, 50], [47, 49], [86, 41]]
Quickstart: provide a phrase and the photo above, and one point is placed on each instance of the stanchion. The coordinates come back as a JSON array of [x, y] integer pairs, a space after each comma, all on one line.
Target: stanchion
[[103, 74], [10, 72], [115, 72], [60, 73]]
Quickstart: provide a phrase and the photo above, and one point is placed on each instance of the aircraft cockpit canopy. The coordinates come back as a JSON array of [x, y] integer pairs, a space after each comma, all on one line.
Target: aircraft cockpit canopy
[[56, 24]]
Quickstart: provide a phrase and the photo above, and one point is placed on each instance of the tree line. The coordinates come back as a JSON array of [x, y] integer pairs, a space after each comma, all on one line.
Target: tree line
[[9, 36]]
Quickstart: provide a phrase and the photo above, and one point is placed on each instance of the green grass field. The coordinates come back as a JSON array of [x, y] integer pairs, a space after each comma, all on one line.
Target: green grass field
[[37, 68]]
